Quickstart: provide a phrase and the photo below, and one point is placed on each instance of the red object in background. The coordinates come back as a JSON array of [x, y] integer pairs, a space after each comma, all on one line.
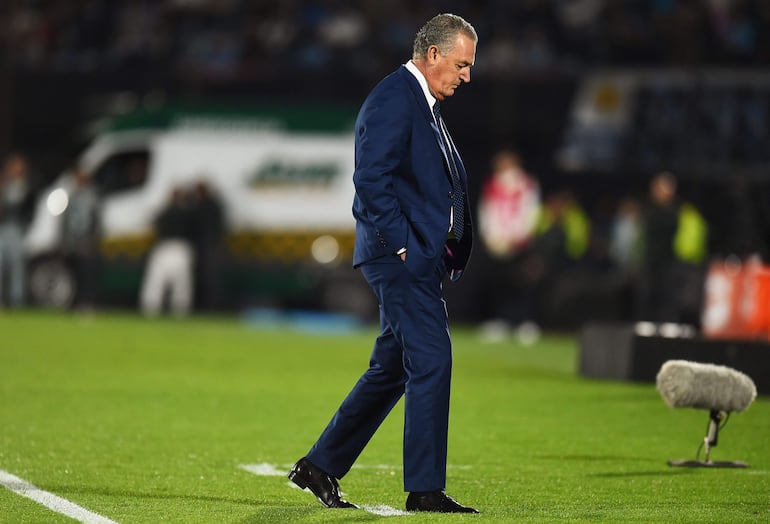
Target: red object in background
[[755, 300], [737, 300]]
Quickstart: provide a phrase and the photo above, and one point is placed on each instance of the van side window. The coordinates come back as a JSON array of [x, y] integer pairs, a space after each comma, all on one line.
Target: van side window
[[122, 172]]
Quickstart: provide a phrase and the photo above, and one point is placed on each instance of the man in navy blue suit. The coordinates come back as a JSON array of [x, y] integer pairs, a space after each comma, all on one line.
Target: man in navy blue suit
[[413, 227]]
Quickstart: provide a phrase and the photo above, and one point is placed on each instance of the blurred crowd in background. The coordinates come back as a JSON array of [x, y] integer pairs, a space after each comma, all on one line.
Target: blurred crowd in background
[[234, 37], [555, 248]]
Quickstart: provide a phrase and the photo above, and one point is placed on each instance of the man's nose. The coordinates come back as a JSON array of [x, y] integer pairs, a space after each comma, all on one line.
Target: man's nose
[[465, 75]]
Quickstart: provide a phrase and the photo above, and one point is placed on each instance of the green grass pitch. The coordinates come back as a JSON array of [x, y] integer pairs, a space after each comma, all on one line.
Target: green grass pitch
[[147, 421]]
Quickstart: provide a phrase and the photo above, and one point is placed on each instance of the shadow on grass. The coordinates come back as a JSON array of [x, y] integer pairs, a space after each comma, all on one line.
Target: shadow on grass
[[626, 474], [595, 458], [663, 471], [81, 490], [263, 512], [308, 514]]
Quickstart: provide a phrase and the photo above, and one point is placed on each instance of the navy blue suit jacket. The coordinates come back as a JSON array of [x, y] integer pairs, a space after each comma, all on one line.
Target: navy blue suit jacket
[[403, 185]]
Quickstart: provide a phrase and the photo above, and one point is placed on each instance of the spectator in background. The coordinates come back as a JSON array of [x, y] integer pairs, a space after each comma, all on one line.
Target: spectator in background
[[226, 37], [625, 236], [208, 231], [561, 240], [81, 228], [508, 212], [509, 206], [563, 230], [15, 212], [171, 261], [625, 245], [538, 277], [674, 244], [660, 221]]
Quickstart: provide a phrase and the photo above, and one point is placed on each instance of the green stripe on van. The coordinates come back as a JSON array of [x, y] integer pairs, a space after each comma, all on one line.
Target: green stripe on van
[[294, 117]]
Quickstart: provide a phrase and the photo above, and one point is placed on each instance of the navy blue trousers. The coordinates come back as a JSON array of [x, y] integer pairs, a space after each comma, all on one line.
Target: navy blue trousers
[[412, 357]]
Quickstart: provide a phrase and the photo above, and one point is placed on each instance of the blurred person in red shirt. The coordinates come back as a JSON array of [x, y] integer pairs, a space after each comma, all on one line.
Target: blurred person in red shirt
[[509, 206]]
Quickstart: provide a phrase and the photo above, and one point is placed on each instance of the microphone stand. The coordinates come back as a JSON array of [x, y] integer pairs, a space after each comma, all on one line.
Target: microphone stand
[[710, 441]]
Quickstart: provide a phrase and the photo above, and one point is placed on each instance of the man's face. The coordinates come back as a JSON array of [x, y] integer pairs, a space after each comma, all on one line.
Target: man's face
[[447, 71]]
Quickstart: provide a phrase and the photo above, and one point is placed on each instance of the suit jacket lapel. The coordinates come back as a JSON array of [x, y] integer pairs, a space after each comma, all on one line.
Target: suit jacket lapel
[[414, 86], [427, 113]]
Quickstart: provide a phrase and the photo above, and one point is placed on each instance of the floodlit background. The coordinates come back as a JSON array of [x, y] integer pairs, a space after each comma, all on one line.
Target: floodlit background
[[252, 103]]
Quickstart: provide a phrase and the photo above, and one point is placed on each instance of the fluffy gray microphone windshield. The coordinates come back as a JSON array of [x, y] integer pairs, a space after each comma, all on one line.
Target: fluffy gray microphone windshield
[[685, 384]]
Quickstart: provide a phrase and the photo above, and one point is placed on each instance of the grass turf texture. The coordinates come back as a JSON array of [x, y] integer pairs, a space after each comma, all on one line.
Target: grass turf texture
[[147, 421]]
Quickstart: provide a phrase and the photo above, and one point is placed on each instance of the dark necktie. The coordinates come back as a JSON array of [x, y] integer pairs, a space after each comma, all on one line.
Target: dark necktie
[[458, 195]]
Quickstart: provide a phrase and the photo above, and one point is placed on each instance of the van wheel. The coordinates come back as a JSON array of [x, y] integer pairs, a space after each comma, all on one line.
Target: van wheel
[[52, 284]]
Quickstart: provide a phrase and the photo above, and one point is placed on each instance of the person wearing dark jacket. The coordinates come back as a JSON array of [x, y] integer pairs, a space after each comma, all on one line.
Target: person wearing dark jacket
[[171, 261], [413, 228], [15, 211]]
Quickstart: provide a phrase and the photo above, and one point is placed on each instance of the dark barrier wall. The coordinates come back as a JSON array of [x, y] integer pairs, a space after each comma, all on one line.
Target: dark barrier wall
[[617, 351]]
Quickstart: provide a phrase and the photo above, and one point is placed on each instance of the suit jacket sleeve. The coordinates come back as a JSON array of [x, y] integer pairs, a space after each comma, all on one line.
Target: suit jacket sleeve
[[382, 137]]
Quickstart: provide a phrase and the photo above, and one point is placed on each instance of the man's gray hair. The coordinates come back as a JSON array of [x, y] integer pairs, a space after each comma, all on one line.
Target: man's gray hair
[[441, 31]]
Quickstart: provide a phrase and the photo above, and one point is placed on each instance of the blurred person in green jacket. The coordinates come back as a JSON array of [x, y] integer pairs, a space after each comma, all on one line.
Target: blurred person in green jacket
[[560, 241], [562, 229]]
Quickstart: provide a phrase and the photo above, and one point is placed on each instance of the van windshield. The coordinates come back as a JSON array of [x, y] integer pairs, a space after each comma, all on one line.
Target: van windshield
[[122, 172]]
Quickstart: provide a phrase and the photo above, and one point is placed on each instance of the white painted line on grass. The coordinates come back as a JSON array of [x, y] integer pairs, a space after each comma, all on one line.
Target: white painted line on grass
[[385, 511], [265, 470], [51, 501], [271, 470]]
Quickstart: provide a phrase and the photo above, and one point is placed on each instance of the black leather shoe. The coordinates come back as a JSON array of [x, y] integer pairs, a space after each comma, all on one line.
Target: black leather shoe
[[436, 501], [306, 475]]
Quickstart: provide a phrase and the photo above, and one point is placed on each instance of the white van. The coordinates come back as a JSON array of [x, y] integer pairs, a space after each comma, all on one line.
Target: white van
[[283, 176]]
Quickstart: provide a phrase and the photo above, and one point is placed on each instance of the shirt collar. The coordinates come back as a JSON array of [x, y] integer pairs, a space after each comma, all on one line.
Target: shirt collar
[[423, 83]]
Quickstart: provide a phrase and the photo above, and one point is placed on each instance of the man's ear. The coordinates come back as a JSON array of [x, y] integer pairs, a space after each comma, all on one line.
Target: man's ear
[[433, 53]]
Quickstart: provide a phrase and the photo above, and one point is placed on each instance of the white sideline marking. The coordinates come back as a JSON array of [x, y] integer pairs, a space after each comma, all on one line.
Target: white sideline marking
[[51, 501], [385, 511], [271, 470], [264, 470]]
